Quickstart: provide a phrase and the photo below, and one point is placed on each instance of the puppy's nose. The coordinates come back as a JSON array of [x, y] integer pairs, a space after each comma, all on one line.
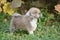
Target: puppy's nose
[[41, 15]]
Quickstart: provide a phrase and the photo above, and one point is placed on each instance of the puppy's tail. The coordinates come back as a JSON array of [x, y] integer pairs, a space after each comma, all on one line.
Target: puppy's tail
[[16, 14]]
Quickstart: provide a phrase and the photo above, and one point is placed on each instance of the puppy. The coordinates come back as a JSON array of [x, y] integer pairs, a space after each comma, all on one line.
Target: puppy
[[25, 22]]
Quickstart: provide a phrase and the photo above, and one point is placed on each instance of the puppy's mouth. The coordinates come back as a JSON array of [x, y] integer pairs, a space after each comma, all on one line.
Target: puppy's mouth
[[36, 16], [41, 15]]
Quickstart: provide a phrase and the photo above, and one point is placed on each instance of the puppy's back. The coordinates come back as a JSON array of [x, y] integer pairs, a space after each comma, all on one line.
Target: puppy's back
[[19, 21]]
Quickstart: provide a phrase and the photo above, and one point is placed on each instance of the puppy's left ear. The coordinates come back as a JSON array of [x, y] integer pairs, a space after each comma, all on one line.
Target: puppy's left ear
[[15, 4], [33, 12]]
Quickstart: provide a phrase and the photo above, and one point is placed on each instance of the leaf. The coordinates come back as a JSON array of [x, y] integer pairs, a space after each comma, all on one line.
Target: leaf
[[57, 7]]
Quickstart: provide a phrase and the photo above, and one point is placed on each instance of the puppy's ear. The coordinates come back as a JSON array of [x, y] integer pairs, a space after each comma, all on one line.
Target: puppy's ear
[[15, 4], [33, 13]]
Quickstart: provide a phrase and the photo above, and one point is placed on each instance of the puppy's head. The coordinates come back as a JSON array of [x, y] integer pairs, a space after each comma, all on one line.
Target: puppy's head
[[34, 12]]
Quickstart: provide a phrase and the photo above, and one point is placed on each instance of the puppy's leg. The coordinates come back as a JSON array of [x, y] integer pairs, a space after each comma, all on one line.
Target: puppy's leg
[[30, 32], [34, 28], [12, 27]]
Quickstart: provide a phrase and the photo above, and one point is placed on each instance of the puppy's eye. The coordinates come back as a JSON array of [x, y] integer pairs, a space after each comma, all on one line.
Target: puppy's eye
[[32, 14], [35, 12]]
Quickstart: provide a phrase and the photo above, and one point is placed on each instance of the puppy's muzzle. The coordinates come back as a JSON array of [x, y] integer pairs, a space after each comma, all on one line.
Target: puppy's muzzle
[[41, 16]]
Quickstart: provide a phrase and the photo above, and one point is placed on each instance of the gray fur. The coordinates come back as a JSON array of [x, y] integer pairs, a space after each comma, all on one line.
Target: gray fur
[[22, 22]]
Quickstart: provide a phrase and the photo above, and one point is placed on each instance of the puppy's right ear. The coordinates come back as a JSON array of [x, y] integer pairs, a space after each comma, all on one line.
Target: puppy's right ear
[[15, 4]]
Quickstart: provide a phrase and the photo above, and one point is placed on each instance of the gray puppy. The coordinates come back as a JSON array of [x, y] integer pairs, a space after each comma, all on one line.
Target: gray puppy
[[25, 22]]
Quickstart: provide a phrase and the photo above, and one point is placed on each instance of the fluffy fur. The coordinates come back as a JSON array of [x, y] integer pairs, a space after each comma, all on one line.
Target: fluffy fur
[[25, 22]]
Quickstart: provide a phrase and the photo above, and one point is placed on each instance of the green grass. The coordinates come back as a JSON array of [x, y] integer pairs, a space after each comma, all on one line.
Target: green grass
[[42, 33]]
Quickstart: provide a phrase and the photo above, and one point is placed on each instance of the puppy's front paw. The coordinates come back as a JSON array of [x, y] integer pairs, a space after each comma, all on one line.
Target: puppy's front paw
[[30, 32]]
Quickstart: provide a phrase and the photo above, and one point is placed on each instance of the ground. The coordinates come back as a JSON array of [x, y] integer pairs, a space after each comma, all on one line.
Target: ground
[[42, 33]]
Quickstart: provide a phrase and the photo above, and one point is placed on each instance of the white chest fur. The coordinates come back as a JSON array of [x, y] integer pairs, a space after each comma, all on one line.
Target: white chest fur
[[34, 24]]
